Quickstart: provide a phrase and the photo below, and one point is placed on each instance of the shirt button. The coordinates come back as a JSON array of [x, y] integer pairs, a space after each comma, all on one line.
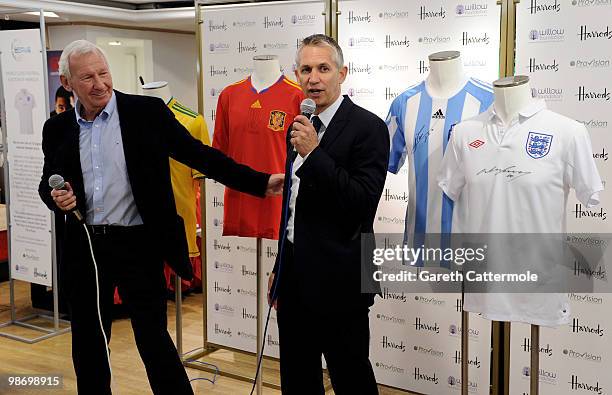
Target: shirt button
[[97, 188]]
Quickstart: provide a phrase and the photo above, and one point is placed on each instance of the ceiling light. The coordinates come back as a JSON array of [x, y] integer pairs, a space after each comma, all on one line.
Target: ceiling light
[[48, 14], [114, 43]]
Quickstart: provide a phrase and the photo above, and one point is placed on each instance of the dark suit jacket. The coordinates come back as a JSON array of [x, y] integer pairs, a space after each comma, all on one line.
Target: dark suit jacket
[[151, 135], [341, 183]]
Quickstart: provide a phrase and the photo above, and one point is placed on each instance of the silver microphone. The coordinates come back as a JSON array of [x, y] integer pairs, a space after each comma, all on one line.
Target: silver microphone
[[57, 182]]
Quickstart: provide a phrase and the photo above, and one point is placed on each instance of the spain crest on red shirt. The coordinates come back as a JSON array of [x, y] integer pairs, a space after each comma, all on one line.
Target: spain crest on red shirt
[[277, 120]]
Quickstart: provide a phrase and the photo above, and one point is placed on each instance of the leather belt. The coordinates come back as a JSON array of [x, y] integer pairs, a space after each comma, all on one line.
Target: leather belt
[[110, 230]]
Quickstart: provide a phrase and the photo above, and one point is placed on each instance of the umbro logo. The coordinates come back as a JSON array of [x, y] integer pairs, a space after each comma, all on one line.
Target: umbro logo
[[438, 115], [476, 143]]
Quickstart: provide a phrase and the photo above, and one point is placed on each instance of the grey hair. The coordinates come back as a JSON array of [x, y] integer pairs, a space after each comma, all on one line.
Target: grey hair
[[321, 40], [78, 47]]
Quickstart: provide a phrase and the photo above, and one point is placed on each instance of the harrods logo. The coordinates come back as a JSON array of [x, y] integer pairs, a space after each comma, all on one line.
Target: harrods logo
[[391, 42], [393, 296], [421, 375], [582, 213], [471, 362], [585, 95], [587, 33], [481, 39], [545, 350], [392, 344], [584, 270], [221, 246], [586, 329], [270, 23], [215, 27], [578, 385], [242, 47], [419, 325], [540, 6], [216, 201], [218, 72], [425, 13], [222, 289], [353, 17], [246, 272], [390, 93], [356, 68], [219, 330], [535, 66], [401, 197]]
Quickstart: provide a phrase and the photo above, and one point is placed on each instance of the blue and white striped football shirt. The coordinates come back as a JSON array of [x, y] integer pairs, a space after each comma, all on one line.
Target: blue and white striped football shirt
[[419, 126]]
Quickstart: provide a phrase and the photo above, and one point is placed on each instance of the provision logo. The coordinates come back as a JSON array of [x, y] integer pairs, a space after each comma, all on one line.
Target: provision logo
[[389, 368], [246, 335], [590, 63], [475, 62], [243, 70], [548, 34], [246, 249], [475, 40], [583, 356], [541, 6], [426, 40], [591, 3], [394, 68], [587, 33], [247, 292], [471, 9], [425, 13], [354, 17], [595, 123], [430, 351], [391, 220], [273, 22], [430, 300], [391, 319], [276, 46], [397, 14], [243, 24], [586, 299], [215, 27], [535, 66]]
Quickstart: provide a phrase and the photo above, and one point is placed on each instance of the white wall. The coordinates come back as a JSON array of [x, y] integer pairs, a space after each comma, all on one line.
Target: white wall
[[174, 55]]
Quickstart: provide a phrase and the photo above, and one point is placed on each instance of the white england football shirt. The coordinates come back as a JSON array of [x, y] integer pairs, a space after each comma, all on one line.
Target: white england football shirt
[[24, 103], [516, 180], [419, 126]]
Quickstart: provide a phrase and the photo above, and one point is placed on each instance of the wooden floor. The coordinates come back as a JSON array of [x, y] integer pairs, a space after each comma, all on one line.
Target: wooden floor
[[52, 356]]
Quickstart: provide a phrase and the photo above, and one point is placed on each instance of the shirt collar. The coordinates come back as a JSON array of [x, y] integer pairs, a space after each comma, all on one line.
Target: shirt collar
[[530, 110], [104, 114], [326, 115]]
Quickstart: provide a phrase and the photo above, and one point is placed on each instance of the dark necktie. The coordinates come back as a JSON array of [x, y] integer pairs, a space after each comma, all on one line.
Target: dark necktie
[[316, 122]]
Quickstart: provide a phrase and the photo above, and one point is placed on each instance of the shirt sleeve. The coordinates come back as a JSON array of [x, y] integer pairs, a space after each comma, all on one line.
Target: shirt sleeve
[[580, 170], [395, 127], [451, 177]]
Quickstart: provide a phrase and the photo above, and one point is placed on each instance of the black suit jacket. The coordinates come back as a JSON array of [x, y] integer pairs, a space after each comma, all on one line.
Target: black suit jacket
[[150, 135], [341, 183]]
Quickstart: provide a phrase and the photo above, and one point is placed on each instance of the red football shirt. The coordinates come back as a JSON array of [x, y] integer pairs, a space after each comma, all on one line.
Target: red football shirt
[[251, 128]]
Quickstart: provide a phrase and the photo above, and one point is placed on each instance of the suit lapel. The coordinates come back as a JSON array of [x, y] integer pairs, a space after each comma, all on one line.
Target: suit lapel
[[337, 124]]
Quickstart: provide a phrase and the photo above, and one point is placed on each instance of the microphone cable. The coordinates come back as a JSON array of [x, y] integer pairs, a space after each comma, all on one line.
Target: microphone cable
[[276, 277]]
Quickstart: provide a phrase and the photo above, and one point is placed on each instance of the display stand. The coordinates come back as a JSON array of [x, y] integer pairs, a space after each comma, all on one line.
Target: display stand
[[60, 326]]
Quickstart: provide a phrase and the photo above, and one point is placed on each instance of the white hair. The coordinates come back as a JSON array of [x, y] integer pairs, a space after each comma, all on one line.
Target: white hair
[[78, 47]]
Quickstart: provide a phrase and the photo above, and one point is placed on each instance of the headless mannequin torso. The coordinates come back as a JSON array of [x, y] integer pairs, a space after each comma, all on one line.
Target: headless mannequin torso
[[446, 76], [266, 71], [512, 94], [158, 89]]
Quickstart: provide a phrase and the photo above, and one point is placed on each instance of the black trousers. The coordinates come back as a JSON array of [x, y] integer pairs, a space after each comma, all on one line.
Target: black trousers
[[304, 335], [125, 259]]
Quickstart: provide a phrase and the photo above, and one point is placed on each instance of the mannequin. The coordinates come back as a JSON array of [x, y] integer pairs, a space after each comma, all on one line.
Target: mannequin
[[158, 89], [266, 71], [512, 94], [446, 75]]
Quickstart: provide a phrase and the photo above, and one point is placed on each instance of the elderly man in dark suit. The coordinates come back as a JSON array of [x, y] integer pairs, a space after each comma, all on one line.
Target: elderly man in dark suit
[[113, 150], [336, 169]]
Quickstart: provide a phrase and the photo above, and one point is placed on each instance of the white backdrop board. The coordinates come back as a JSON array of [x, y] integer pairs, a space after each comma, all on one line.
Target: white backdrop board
[[25, 100], [565, 47], [386, 44], [231, 36]]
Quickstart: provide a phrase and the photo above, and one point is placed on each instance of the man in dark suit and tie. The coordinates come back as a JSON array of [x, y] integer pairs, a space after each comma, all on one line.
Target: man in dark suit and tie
[[113, 150], [336, 169]]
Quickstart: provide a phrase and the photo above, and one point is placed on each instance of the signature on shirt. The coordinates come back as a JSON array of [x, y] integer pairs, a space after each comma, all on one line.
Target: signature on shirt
[[510, 172]]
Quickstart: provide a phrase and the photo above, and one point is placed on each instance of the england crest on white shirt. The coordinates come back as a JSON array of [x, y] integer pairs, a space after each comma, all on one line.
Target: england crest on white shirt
[[538, 144]]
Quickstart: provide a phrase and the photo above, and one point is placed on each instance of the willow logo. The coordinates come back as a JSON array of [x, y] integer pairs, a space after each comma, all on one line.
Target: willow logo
[[424, 13], [578, 327], [544, 6], [223, 267], [588, 34], [474, 9], [547, 34], [577, 385], [420, 375], [356, 18]]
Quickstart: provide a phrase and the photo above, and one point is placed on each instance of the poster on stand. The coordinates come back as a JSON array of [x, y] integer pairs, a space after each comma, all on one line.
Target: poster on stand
[[25, 100], [416, 338], [565, 47], [231, 36]]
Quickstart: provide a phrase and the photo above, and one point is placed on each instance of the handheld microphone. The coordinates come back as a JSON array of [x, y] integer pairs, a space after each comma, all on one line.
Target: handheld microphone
[[57, 182], [307, 108]]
